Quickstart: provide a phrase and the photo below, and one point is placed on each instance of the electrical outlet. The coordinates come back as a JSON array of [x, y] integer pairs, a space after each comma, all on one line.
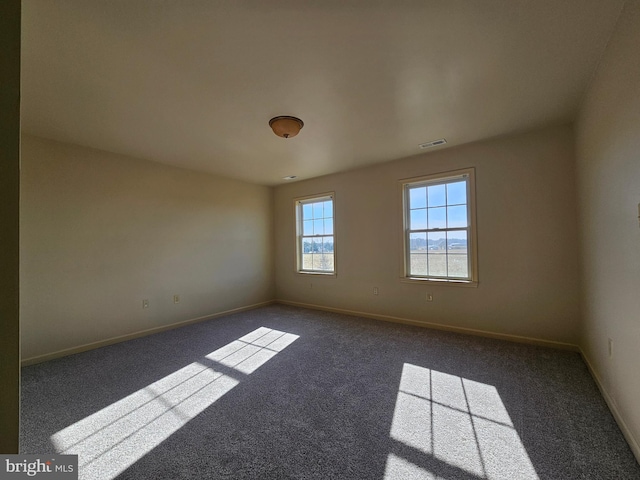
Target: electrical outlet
[[429, 297], [610, 348], [375, 290], [176, 299], [145, 303]]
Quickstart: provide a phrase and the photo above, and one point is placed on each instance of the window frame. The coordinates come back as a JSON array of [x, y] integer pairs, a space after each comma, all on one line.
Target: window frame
[[299, 232], [472, 237]]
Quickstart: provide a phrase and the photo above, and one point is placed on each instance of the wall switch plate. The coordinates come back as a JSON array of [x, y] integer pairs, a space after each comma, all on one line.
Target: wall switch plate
[[610, 346], [145, 303], [375, 290], [176, 299], [429, 297]]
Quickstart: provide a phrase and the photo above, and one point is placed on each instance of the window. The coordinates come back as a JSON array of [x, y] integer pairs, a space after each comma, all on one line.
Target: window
[[315, 235], [439, 227]]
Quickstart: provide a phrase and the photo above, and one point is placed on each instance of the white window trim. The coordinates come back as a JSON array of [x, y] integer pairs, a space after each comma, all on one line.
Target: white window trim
[[297, 205], [472, 244]]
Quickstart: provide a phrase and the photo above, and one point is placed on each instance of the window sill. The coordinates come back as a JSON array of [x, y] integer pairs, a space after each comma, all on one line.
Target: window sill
[[438, 282], [321, 274]]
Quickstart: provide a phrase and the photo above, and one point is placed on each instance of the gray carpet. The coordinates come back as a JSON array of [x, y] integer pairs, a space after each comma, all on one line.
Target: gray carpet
[[282, 392]]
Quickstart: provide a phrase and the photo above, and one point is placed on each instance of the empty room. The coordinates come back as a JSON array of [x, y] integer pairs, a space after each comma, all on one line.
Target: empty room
[[311, 240]]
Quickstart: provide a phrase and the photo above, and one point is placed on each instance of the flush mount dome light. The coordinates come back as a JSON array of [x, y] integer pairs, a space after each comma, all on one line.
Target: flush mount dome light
[[286, 127]]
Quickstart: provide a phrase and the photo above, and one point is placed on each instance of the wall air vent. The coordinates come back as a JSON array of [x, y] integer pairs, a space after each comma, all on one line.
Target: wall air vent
[[433, 143]]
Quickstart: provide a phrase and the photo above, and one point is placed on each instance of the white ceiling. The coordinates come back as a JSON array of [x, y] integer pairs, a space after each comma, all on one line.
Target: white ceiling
[[194, 83]]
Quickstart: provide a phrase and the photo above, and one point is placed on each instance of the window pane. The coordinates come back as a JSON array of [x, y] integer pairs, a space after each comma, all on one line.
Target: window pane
[[318, 227], [418, 220], [316, 245], [418, 253], [457, 216], [418, 263], [317, 210], [418, 197], [437, 242], [307, 211], [457, 193], [458, 264], [323, 262], [436, 196], [458, 260], [327, 262], [438, 217], [307, 227], [307, 261], [328, 225], [328, 209], [417, 241], [327, 243], [437, 263], [457, 241]]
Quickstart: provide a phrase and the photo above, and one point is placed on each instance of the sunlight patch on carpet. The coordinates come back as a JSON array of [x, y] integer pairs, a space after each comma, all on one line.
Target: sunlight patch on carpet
[[114, 438], [454, 424]]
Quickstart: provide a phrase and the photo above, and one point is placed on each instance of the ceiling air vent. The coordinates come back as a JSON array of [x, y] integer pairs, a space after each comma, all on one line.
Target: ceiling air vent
[[433, 143]]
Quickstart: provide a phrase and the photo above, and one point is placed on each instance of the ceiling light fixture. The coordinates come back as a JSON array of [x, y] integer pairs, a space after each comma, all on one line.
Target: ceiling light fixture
[[286, 127], [290, 177]]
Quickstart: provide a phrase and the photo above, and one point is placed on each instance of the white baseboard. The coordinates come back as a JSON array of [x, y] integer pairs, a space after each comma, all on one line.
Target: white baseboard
[[613, 406], [439, 326], [141, 333]]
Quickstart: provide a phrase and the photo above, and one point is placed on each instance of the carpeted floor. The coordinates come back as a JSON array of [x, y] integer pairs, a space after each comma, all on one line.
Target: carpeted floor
[[282, 392]]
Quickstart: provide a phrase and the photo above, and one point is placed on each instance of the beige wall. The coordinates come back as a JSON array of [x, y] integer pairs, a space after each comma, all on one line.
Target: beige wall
[[9, 218], [527, 236], [608, 152], [101, 232]]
